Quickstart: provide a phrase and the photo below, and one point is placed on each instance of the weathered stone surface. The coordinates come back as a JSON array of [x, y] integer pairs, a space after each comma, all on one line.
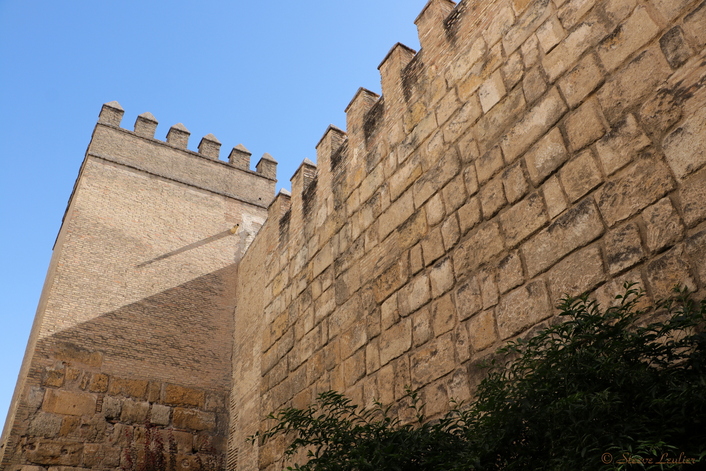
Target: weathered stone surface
[[433, 246], [54, 378], [523, 219], [533, 125], [127, 387], [99, 383], [546, 156], [623, 248], [522, 308], [639, 185], [633, 82], [514, 182], [488, 164], [441, 277], [696, 251], [395, 341], [190, 419], [584, 125], [694, 21], [627, 38], [685, 147], [69, 403], [450, 232], [434, 360], [112, 407], [663, 227], [621, 144], [469, 215], [45, 425], [159, 414], [51, 452], [692, 195], [534, 85], [577, 227], [576, 274], [538, 11], [481, 330], [491, 126], [580, 81], [669, 270], [491, 91], [580, 175], [182, 396], [482, 244], [414, 295], [510, 273], [468, 298], [675, 47], [443, 314], [134, 412], [568, 51], [492, 197], [421, 327], [550, 34], [670, 8]]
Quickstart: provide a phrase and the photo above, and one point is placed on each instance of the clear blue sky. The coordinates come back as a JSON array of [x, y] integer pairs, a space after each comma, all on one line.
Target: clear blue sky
[[271, 75]]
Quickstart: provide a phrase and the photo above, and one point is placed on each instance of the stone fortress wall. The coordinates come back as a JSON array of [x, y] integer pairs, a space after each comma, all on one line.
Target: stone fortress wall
[[132, 341], [530, 149]]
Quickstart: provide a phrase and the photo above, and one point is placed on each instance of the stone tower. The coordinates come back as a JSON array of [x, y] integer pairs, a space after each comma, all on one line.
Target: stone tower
[[131, 346]]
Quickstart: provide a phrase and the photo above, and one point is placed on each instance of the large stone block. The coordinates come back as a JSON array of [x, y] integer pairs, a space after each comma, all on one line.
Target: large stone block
[[580, 81], [580, 175], [468, 298], [633, 82], [576, 274], [621, 144], [177, 395], [481, 330], [639, 185], [69, 403], [577, 227], [522, 308], [522, 219], [546, 156], [128, 387], [395, 341], [663, 227], [190, 419], [533, 125], [479, 247], [134, 412], [669, 270], [434, 360], [685, 146], [630, 36], [623, 248]]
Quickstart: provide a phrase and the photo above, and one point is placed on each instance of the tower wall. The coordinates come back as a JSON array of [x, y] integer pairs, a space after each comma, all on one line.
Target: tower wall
[[132, 343], [530, 149]]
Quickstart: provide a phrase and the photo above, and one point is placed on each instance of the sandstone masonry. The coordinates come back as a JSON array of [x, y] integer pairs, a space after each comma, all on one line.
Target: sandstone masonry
[[531, 149]]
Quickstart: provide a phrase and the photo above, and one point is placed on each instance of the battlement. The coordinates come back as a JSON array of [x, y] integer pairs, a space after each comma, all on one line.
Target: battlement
[[171, 158]]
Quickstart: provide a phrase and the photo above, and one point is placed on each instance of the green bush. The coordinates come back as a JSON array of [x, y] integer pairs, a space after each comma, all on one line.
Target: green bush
[[598, 390]]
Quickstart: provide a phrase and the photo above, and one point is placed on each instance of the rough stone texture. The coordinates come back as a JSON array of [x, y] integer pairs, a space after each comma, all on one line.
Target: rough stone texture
[[522, 308], [623, 248], [533, 148], [637, 186]]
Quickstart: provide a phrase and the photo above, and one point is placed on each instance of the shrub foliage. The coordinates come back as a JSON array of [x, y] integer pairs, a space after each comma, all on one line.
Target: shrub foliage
[[601, 389]]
